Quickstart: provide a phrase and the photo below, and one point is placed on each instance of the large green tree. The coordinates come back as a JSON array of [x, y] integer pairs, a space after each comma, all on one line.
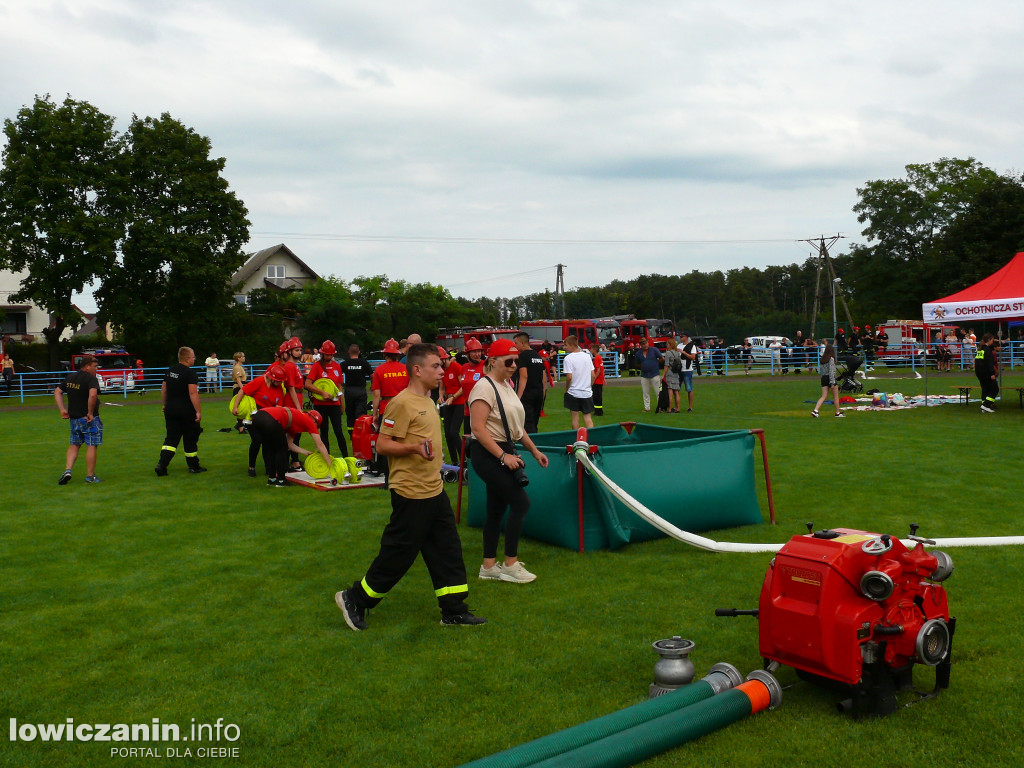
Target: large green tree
[[183, 241], [57, 215], [942, 227]]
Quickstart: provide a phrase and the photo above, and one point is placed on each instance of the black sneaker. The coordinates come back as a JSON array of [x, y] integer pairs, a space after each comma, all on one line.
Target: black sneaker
[[281, 483], [272, 481], [466, 619], [355, 616], [252, 473], [65, 478], [161, 471], [196, 470]]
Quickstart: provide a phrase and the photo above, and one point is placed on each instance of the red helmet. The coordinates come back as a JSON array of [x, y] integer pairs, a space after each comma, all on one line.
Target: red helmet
[[840, 331], [328, 348], [276, 373], [292, 343], [473, 343], [316, 417], [868, 327], [391, 347]]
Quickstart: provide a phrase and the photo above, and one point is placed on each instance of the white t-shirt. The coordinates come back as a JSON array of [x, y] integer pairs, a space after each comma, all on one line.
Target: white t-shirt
[[693, 350], [580, 365]]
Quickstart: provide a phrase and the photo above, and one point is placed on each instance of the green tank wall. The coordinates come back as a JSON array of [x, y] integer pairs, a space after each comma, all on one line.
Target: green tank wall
[[698, 480]]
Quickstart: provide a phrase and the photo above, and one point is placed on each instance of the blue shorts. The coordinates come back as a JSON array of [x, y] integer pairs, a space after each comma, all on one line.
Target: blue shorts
[[87, 432], [687, 377]]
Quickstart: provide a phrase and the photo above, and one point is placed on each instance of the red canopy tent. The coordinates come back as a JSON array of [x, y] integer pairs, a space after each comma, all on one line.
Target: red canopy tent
[[999, 296]]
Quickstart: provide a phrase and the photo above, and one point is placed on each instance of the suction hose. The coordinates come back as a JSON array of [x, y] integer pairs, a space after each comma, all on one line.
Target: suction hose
[[581, 453], [721, 677], [625, 748]]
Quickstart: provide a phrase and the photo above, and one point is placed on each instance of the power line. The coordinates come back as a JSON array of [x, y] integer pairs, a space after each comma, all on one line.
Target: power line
[[507, 240]]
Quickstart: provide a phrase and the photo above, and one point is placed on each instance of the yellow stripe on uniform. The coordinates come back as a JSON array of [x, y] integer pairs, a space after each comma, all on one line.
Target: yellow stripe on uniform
[[370, 592], [191, 454], [451, 590], [168, 448]]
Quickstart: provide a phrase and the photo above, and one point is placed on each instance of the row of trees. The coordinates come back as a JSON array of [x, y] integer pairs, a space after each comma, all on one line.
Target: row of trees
[[942, 227], [147, 217]]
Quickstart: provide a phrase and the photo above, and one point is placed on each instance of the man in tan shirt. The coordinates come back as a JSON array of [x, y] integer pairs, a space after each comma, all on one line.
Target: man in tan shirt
[[422, 520]]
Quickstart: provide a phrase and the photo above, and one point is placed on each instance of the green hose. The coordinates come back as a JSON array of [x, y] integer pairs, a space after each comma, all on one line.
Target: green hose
[[578, 736], [650, 738]]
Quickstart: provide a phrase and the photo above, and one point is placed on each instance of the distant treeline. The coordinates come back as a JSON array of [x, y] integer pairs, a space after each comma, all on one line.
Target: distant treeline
[[945, 226]]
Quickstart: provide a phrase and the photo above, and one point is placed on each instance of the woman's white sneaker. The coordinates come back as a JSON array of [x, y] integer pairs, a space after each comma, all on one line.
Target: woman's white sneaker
[[516, 573], [494, 572]]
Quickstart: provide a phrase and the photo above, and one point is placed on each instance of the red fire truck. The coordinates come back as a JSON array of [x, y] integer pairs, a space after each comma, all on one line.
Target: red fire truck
[[116, 370], [555, 331], [455, 338], [658, 331]]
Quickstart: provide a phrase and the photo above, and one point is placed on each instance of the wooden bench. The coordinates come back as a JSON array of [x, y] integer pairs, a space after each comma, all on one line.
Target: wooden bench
[[965, 393]]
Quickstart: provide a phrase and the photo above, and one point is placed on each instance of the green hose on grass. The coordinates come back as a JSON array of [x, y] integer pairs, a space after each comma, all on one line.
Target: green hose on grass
[[630, 746], [721, 678]]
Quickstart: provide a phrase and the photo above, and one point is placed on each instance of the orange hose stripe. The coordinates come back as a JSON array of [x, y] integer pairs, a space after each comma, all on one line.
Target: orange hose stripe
[[758, 693]]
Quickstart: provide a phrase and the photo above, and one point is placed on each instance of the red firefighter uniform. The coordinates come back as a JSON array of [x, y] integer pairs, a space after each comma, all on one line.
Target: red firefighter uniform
[[332, 371], [389, 379], [264, 396]]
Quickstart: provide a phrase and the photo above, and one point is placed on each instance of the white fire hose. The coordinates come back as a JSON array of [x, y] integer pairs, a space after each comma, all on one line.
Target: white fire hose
[[581, 452]]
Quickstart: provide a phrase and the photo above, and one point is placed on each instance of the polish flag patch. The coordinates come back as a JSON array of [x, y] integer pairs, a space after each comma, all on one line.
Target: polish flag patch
[[389, 422]]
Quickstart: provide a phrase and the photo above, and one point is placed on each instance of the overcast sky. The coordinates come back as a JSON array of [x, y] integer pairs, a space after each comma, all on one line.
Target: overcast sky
[[478, 144]]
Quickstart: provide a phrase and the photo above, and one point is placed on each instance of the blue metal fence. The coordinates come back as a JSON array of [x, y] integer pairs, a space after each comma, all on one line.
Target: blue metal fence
[[720, 362]]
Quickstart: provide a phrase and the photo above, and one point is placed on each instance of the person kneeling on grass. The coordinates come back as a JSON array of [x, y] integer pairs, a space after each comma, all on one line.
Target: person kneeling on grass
[[275, 430], [422, 520]]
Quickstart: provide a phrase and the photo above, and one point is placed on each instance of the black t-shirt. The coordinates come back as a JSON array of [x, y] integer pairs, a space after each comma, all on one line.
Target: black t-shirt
[[985, 362], [357, 372], [177, 378], [533, 364], [77, 386]]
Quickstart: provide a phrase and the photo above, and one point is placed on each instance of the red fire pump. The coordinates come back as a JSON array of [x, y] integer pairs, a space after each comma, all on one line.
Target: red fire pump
[[364, 438], [857, 611]]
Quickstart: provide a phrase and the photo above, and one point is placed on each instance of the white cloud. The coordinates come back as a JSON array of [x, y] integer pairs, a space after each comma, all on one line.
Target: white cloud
[[549, 120]]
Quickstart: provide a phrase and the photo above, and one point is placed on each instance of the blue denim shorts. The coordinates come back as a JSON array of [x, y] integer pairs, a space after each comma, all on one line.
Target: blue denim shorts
[[687, 377], [87, 432]]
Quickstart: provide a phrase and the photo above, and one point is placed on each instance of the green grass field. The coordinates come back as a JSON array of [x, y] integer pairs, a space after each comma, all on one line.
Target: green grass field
[[211, 596]]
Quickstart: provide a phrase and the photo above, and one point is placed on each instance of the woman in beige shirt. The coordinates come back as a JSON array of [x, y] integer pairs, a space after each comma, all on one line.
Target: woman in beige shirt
[[495, 462]]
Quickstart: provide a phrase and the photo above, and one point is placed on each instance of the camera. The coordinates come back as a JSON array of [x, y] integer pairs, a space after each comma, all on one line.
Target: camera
[[519, 475]]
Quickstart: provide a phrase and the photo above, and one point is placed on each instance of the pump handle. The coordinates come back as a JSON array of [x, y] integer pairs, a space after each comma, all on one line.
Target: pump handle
[[735, 612]]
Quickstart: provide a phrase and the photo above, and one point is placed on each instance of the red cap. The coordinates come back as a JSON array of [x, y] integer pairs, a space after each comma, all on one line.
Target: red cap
[[840, 331], [868, 327], [501, 347]]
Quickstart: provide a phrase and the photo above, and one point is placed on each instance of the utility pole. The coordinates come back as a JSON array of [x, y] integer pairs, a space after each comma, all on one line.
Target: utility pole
[[825, 262], [560, 290]]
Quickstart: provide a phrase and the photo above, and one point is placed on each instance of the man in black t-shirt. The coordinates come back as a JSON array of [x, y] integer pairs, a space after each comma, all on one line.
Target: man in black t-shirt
[[357, 373], [83, 391], [179, 396], [530, 380]]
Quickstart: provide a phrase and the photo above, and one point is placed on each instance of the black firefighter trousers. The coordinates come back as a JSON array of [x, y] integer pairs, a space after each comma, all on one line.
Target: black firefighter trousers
[[418, 526]]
